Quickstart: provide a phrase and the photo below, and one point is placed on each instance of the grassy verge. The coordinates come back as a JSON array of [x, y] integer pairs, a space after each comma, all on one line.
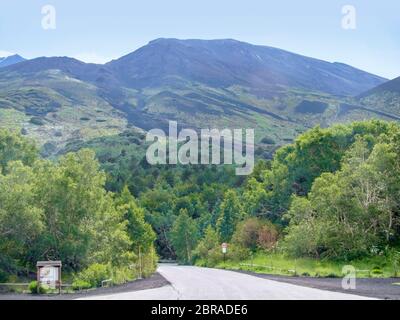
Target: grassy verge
[[279, 264]]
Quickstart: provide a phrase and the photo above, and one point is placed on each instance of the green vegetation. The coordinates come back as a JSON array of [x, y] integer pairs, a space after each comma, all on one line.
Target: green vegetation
[[282, 264], [35, 289], [184, 235], [61, 211], [331, 196], [327, 200]]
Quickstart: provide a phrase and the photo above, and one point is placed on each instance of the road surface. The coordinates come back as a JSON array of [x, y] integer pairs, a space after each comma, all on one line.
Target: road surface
[[193, 283]]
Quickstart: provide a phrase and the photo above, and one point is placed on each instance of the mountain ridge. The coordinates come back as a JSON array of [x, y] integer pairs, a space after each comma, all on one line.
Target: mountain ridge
[[229, 62], [10, 60], [224, 63], [214, 83]]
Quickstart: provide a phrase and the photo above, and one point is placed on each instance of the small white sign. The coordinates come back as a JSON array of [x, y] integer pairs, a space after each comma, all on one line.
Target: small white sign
[[49, 276], [224, 250], [224, 247]]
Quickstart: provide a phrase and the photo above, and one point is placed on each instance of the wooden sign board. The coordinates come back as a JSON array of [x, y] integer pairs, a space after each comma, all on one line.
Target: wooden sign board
[[49, 274]]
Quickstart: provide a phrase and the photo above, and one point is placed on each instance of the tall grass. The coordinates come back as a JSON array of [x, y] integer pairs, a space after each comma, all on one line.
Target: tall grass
[[280, 264]]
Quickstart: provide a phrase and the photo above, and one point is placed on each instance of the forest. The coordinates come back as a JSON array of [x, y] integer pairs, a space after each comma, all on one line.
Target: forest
[[331, 195], [60, 210]]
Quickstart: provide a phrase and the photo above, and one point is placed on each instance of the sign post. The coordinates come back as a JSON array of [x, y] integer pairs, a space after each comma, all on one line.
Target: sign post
[[224, 247], [49, 274]]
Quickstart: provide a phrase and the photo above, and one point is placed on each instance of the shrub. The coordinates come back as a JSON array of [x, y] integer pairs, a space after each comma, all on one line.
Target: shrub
[[35, 289], [47, 149], [122, 275], [37, 121], [214, 257], [3, 276], [246, 234], [93, 275], [207, 246], [268, 140], [238, 253], [267, 236], [256, 233], [377, 271], [81, 284]]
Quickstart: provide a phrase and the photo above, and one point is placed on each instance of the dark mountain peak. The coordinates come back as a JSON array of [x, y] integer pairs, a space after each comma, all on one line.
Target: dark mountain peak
[[228, 62], [220, 63], [70, 66], [195, 41], [10, 60], [392, 86], [44, 63]]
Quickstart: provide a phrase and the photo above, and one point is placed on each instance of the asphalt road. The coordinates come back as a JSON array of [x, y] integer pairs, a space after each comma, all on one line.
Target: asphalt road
[[193, 283]]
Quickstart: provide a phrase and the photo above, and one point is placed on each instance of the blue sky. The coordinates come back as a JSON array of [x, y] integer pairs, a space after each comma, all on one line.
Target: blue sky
[[98, 31]]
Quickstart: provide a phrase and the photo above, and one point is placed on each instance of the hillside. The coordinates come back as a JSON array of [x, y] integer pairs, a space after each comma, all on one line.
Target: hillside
[[10, 60], [225, 63], [220, 83], [385, 97]]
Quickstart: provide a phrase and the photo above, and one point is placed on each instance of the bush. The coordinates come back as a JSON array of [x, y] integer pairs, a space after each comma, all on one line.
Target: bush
[[37, 121], [256, 233], [81, 285], [3, 276], [208, 248], [93, 275], [35, 289], [123, 275], [268, 140], [238, 253], [215, 256], [267, 236], [246, 234], [376, 271]]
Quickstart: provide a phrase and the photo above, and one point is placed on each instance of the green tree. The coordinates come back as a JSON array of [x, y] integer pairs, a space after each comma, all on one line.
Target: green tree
[[159, 205], [253, 233], [184, 236], [72, 196], [296, 166], [352, 212], [209, 242], [21, 220], [231, 212], [15, 147], [140, 232], [208, 248]]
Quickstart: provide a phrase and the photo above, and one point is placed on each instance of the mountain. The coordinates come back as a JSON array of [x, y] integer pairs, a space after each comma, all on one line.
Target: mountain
[[225, 63], [385, 97], [10, 60], [199, 83], [392, 86]]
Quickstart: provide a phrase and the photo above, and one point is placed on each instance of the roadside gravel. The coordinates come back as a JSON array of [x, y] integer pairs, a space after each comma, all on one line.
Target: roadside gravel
[[368, 287]]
